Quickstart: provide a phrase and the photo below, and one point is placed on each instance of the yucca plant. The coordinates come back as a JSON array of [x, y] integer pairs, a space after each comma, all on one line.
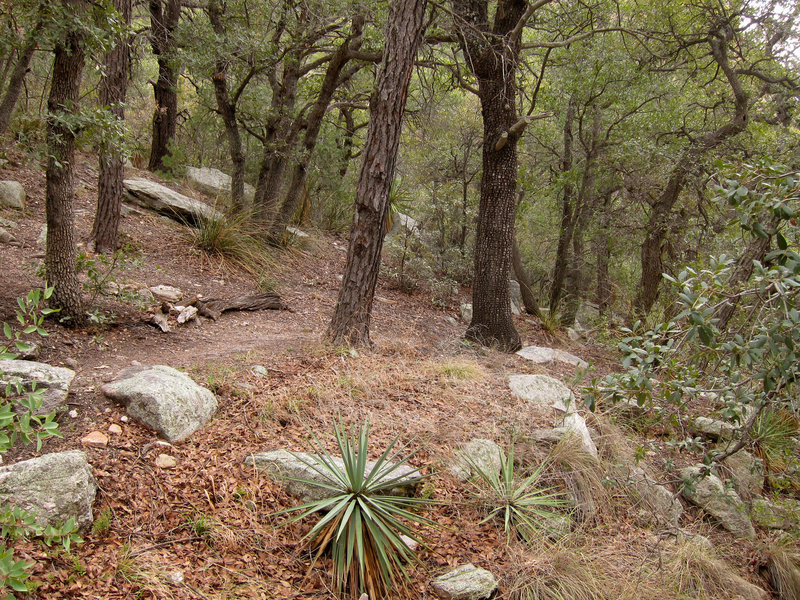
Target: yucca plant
[[523, 506], [362, 525]]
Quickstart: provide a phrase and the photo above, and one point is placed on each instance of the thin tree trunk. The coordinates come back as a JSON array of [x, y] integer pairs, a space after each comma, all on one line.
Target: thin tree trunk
[[60, 252], [652, 249], [347, 142], [567, 217], [18, 77], [330, 83], [164, 17], [528, 299], [603, 257], [227, 110], [351, 319], [113, 90]]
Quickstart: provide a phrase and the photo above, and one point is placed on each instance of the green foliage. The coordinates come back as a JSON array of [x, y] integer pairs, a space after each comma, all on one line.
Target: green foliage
[[102, 523], [19, 422], [100, 272], [362, 525], [520, 503], [751, 363]]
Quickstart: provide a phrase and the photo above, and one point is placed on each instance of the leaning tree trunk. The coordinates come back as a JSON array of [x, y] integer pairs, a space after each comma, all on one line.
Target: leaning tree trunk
[[330, 83], [528, 299], [113, 90], [226, 106], [492, 54], [14, 86], [652, 249], [404, 28], [60, 253], [164, 16]]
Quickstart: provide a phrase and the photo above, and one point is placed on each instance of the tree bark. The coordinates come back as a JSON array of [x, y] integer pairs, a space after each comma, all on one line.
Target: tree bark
[[492, 55], [330, 83], [567, 217], [113, 90], [602, 245], [164, 17], [14, 86], [226, 106], [652, 249], [528, 299], [351, 319], [60, 252]]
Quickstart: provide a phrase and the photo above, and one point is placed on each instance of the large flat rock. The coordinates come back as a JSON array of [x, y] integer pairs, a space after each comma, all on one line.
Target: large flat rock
[[542, 390], [55, 487], [164, 399], [159, 198], [542, 355], [710, 494], [53, 381], [296, 470], [214, 182]]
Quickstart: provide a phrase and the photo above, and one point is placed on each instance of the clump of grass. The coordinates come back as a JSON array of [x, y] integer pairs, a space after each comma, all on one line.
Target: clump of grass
[[236, 238], [554, 574], [583, 475], [459, 370], [102, 523], [783, 567]]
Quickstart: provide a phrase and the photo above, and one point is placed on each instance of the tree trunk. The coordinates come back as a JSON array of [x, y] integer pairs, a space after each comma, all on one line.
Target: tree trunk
[[227, 110], [113, 90], [60, 253], [528, 299], [330, 83], [164, 16], [492, 55], [351, 319], [347, 141], [567, 218], [652, 249], [602, 244], [18, 76]]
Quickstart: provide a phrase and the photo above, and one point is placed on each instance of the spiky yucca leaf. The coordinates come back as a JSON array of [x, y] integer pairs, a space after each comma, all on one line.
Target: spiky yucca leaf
[[362, 525], [520, 504]]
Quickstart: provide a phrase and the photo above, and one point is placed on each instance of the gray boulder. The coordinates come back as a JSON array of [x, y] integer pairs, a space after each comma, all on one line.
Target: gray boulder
[[746, 473], [166, 293], [516, 297], [8, 223], [12, 194], [781, 513], [6, 237], [714, 429], [661, 503], [575, 424], [478, 452], [161, 199], [403, 224], [53, 381], [164, 399], [466, 312], [466, 582], [55, 487], [298, 468], [214, 182], [724, 505], [542, 390], [541, 356]]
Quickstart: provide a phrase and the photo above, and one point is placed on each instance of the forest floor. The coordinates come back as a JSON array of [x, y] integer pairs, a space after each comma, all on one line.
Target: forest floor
[[206, 528]]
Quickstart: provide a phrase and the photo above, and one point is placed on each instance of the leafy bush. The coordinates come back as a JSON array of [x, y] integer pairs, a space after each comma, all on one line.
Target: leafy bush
[[362, 526], [20, 423], [747, 361]]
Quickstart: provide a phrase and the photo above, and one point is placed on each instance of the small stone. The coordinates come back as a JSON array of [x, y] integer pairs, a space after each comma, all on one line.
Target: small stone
[[165, 461], [97, 439], [259, 371], [73, 414], [166, 293], [115, 429], [466, 582], [71, 363], [175, 577], [6, 237], [411, 544], [466, 312], [124, 418]]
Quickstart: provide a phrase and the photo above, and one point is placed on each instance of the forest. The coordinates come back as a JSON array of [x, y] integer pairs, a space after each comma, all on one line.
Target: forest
[[414, 185]]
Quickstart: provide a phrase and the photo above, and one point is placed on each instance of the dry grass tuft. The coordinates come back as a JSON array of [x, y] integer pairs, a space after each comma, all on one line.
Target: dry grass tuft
[[555, 573], [783, 567], [583, 475]]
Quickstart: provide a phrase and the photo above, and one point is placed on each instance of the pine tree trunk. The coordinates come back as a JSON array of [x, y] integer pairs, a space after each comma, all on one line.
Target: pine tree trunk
[[351, 319], [164, 17], [113, 90], [18, 77], [60, 253], [567, 218]]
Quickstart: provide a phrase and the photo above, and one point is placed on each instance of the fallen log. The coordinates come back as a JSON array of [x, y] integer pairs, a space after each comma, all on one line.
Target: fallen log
[[214, 307]]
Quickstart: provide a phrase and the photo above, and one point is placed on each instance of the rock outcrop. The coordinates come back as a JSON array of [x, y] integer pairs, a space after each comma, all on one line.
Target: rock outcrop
[[161, 199]]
